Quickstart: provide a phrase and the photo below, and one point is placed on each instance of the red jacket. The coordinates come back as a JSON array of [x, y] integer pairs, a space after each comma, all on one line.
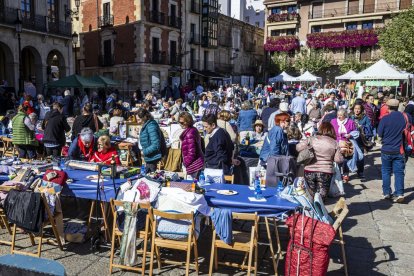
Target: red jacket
[[105, 158], [193, 157]]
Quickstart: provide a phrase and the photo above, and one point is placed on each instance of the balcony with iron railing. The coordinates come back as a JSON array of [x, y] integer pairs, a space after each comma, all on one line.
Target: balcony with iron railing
[[39, 23], [106, 60], [282, 17], [195, 6], [157, 17], [194, 39], [174, 60], [224, 68], [174, 21], [365, 9], [194, 64], [106, 21], [208, 65], [158, 57], [225, 41]]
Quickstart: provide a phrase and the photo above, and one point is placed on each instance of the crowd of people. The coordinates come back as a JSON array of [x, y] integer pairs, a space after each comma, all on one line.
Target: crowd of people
[[338, 122]]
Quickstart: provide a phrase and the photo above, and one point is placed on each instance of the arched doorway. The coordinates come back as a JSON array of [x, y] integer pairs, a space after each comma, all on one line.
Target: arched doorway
[[56, 66], [32, 67], [7, 65]]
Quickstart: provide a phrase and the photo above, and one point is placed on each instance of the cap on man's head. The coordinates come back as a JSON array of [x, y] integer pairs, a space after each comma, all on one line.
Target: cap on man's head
[[393, 102]]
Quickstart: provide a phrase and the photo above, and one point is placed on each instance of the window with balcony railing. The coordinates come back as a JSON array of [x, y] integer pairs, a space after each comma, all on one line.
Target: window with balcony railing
[[367, 25], [316, 29], [275, 33], [351, 26], [106, 21], [195, 6]]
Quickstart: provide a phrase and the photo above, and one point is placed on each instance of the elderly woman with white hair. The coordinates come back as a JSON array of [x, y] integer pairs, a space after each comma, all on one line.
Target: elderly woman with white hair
[[343, 127], [83, 146]]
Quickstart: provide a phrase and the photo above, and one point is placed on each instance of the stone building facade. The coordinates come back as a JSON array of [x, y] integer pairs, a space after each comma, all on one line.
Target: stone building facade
[[46, 40], [240, 49]]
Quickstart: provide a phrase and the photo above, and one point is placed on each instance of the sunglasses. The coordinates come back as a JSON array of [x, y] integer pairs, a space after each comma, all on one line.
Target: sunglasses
[[181, 123]]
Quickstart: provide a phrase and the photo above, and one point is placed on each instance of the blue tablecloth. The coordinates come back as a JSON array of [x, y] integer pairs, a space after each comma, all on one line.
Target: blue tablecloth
[[274, 205], [81, 187], [4, 177]]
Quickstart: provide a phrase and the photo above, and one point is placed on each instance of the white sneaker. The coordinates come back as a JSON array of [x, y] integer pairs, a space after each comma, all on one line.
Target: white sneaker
[[399, 199], [389, 196]]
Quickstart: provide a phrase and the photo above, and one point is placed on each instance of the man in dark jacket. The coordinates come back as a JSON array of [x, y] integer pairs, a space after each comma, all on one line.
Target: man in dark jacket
[[219, 151], [390, 129], [86, 119], [68, 104], [273, 107], [55, 126]]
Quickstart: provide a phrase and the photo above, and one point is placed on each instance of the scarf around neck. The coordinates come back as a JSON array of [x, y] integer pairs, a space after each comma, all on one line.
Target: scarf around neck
[[341, 126], [87, 152]]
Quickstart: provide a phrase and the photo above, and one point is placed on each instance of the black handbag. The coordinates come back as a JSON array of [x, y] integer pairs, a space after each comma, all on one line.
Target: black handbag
[[25, 209]]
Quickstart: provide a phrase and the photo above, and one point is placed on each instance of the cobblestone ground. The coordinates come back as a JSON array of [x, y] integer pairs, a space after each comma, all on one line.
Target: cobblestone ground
[[379, 237]]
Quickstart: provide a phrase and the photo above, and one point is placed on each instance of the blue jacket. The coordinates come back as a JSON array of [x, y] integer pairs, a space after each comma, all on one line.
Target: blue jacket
[[151, 141], [390, 130], [365, 124], [276, 143], [246, 120]]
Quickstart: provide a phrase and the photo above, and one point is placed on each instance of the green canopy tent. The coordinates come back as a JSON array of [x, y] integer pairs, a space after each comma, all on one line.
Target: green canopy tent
[[74, 81], [106, 81]]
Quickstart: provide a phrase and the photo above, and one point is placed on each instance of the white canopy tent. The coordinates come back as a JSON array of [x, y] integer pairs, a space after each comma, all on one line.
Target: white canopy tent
[[347, 76], [282, 77], [381, 70], [308, 77]]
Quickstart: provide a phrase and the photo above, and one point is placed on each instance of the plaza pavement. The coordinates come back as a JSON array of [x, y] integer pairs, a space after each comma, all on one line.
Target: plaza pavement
[[379, 237]]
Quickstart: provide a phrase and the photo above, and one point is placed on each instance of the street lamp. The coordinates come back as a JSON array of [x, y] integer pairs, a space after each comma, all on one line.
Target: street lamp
[[75, 39], [72, 13], [18, 26]]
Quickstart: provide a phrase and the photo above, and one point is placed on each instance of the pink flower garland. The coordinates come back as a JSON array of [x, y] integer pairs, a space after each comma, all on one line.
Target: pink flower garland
[[352, 39], [281, 43]]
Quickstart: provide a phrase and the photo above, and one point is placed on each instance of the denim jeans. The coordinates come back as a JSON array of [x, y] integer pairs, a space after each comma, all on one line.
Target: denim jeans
[[393, 163]]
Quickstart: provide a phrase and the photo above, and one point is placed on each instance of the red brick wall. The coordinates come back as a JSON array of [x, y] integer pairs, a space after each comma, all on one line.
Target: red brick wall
[[125, 44], [89, 16], [121, 9], [91, 48]]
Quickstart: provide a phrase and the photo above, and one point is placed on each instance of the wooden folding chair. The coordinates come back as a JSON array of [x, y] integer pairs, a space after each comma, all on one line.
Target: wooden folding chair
[[242, 241], [127, 147], [229, 179], [117, 235], [185, 245], [9, 149], [4, 223], [339, 212], [50, 220]]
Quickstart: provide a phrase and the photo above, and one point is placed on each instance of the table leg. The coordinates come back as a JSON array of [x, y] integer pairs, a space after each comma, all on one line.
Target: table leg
[[272, 252]]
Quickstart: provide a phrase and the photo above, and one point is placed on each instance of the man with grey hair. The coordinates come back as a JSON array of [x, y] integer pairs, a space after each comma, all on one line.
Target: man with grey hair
[[83, 146]]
